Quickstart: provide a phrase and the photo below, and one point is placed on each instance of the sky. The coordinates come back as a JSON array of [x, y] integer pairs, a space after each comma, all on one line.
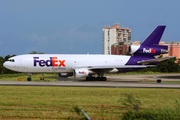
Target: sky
[[75, 26]]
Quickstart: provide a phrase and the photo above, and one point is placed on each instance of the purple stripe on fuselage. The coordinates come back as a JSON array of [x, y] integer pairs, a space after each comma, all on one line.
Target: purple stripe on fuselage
[[134, 59]]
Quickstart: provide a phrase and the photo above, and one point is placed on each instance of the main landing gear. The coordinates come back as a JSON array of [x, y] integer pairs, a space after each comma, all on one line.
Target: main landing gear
[[100, 77], [96, 78]]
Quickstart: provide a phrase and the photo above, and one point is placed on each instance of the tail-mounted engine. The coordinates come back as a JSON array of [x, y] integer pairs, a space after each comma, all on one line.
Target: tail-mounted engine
[[148, 50]]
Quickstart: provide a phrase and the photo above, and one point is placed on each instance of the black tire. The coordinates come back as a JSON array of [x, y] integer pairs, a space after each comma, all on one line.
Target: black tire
[[88, 78], [104, 78], [93, 78], [28, 79], [98, 79]]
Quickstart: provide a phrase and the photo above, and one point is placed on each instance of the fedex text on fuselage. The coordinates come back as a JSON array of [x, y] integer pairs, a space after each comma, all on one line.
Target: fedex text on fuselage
[[53, 61], [151, 50]]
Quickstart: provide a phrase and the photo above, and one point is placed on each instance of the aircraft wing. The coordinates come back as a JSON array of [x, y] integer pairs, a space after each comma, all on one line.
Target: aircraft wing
[[145, 62]]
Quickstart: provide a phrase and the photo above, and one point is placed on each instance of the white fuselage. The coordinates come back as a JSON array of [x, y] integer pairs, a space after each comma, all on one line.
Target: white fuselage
[[59, 63]]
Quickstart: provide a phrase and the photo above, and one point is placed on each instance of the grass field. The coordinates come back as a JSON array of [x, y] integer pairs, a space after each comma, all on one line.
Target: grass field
[[32, 102], [27, 102]]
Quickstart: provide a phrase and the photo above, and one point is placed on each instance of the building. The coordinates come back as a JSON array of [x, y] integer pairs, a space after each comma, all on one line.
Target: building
[[122, 48], [174, 49], [164, 43], [114, 34]]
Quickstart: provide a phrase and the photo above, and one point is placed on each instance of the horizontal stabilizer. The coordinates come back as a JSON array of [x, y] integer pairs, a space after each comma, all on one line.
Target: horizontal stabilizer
[[145, 62]]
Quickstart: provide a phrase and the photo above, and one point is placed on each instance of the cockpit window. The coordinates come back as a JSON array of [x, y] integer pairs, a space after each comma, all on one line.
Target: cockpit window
[[11, 60]]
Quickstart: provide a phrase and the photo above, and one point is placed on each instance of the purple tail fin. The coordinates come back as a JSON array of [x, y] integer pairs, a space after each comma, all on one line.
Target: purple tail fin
[[150, 47], [154, 37]]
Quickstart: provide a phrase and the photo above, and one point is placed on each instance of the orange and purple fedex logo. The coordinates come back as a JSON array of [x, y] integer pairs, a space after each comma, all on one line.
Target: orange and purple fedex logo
[[54, 62], [151, 50], [82, 72]]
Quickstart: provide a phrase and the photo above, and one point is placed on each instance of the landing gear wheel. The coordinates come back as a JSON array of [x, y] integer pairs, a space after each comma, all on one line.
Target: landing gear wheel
[[101, 78], [28, 79], [93, 78], [98, 78], [104, 78], [88, 78]]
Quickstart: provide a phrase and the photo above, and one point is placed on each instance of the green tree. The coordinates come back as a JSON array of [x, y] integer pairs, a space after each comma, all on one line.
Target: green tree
[[5, 70], [168, 66], [34, 52], [128, 53], [1, 65]]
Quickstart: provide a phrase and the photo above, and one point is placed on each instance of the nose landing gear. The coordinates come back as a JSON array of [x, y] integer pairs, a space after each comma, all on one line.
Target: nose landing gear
[[29, 78]]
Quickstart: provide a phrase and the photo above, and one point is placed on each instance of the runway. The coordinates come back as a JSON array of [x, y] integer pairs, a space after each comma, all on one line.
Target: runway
[[92, 84], [114, 81]]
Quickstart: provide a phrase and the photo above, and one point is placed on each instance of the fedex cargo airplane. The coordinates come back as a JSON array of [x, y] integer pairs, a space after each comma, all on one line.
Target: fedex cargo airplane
[[86, 65]]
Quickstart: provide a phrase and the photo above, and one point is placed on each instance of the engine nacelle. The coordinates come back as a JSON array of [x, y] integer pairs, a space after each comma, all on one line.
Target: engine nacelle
[[133, 48], [65, 74], [82, 72], [147, 50]]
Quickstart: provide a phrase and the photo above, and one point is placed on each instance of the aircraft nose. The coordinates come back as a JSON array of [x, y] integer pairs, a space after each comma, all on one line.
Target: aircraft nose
[[9, 65], [6, 65]]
